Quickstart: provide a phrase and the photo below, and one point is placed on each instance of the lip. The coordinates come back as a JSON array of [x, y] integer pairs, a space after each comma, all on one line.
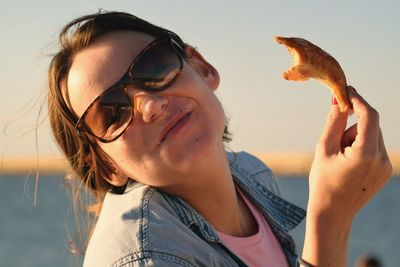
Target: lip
[[174, 125]]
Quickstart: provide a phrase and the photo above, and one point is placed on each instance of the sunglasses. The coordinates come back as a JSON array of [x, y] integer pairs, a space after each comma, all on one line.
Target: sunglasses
[[154, 69]]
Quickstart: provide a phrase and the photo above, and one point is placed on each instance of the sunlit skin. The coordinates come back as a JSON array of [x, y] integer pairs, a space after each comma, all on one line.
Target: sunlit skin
[[349, 166], [191, 162]]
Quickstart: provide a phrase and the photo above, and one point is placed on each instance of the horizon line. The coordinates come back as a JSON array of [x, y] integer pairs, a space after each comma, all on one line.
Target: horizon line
[[282, 163]]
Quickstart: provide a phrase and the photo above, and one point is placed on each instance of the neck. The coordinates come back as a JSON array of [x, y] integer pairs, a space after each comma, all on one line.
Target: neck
[[213, 195]]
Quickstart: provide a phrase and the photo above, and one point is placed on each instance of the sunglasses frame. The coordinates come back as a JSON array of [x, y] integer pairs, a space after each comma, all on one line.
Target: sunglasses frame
[[129, 79]]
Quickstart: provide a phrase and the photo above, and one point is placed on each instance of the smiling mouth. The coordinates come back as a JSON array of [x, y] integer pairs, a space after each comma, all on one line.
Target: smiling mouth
[[177, 126]]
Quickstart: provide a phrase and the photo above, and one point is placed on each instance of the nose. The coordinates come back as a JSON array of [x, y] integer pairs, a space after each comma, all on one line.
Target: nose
[[150, 105]]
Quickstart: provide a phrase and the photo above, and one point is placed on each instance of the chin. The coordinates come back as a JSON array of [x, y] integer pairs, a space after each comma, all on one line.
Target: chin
[[188, 154]]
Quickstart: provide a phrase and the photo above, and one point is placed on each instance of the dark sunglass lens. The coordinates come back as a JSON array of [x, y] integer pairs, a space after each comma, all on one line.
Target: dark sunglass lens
[[110, 114], [157, 67]]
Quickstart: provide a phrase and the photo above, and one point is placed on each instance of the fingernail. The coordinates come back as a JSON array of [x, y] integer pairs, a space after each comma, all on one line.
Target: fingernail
[[334, 101]]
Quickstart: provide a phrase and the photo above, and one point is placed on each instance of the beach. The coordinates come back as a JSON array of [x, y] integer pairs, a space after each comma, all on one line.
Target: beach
[[282, 163]]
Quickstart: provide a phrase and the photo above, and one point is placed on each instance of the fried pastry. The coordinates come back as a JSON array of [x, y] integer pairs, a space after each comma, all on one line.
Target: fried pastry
[[310, 61]]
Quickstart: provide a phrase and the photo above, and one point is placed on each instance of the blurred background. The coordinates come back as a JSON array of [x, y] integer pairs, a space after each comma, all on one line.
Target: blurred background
[[277, 120], [266, 112]]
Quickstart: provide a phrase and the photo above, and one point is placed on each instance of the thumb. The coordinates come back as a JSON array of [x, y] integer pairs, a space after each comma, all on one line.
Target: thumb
[[335, 126]]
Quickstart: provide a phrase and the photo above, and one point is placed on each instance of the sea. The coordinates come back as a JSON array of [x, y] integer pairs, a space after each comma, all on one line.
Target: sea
[[37, 232]]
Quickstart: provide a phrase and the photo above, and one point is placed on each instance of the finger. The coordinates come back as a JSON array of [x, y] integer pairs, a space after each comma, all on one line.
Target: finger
[[349, 136], [368, 124], [381, 144], [330, 140], [385, 156]]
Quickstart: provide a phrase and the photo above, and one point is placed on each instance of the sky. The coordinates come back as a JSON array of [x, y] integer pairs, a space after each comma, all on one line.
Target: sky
[[266, 113]]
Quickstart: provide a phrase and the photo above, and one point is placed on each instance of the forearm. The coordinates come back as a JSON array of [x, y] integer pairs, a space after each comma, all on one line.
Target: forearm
[[326, 240]]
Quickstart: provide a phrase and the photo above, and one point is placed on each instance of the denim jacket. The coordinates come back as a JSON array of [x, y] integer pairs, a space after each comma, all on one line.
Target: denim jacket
[[146, 227]]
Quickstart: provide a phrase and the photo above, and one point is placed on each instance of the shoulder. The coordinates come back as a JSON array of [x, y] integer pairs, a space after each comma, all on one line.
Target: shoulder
[[142, 228], [154, 258], [122, 227], [250, 167]]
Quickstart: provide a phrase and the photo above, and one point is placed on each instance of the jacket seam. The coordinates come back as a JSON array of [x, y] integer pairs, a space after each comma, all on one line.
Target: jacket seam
[[135, 257], [144, 219], [264, 171]]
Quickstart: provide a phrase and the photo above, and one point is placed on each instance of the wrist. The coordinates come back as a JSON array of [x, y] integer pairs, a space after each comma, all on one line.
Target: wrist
[[326, 239], [328, 210], [333, 218]]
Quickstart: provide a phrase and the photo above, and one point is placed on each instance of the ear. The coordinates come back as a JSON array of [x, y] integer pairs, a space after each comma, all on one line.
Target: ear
[[205, 69]]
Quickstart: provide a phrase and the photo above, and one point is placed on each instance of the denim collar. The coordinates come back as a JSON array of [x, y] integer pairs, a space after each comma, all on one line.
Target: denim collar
[[282, 215]]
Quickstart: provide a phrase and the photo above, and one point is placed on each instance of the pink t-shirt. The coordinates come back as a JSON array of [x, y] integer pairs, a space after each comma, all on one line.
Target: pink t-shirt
[[260, 249]]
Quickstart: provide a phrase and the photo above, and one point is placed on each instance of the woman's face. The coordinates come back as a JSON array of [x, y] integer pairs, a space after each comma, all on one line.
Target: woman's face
[[173, 131]]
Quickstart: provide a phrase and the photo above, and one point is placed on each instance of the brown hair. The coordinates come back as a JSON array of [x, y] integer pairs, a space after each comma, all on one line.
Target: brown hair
[[74, 37], [82, 150]]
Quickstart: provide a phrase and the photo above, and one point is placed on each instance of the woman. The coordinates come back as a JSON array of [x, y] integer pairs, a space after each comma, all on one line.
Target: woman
[[133, 108]]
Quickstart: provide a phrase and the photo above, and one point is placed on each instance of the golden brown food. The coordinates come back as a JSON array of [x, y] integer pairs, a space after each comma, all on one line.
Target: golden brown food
[[310, 61]]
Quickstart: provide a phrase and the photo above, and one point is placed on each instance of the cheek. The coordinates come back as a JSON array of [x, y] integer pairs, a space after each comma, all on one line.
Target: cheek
[[219, 114], [204, 96], [215, 114], [132, 158], [122, 154]]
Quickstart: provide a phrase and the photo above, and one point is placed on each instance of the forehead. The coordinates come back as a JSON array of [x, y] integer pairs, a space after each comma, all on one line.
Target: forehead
[[100, 65]]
